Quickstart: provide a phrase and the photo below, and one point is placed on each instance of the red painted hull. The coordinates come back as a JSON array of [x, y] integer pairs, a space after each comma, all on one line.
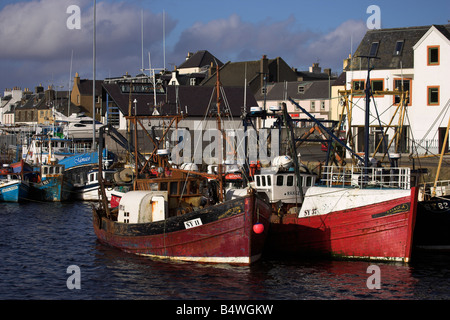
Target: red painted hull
[[227, 238], [381, 231]]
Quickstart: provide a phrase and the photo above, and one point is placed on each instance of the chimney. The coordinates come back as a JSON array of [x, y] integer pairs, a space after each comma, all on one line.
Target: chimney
[[347, 62], [39, 88], [315, 68], [327, 71], [76, 79]]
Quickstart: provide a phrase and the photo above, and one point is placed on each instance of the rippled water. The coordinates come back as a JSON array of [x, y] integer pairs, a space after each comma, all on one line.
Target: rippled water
[[39, 241]]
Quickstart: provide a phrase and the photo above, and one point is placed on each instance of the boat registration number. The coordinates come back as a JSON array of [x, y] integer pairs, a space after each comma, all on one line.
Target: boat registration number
[[193, 223]]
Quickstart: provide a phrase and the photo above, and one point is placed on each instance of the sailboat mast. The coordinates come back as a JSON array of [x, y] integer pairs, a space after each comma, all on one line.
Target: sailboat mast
[[368, 92], [367, 117], [219, 127], [93, 80]]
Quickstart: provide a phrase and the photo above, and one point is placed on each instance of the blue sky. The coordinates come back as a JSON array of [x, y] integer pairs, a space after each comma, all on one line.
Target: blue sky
[[36, 46]]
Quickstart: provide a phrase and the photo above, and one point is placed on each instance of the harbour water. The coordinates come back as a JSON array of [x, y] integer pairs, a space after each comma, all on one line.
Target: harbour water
[[40, 241]]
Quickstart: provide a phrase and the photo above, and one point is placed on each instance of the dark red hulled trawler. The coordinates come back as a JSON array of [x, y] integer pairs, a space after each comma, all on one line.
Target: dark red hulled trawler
[[181, 214]]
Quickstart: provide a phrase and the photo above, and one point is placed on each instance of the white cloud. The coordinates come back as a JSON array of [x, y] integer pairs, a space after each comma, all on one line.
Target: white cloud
[[35, 34]]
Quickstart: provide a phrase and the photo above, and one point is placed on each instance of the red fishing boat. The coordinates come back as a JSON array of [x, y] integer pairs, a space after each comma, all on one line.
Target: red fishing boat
[[363, 211], [180, 214], [350, 219], [231, 232]]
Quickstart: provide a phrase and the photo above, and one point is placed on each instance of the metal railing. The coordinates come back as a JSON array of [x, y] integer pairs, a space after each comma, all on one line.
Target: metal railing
[[360, 177]]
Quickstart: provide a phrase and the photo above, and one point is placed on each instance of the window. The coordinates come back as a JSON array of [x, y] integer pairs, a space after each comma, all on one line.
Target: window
[[433, 55], [280, 180], [322, 105], [313, 105], [374, 49], [301, 89], [433, 96], [358, 84], [192, 81], [406, 87], [398, 48], [290, 181], [173, 188], [377, 85]]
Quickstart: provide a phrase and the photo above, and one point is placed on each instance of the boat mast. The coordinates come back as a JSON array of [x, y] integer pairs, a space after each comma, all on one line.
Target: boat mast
[[444, 147], [219, 127], [368, 91], [93, 82]]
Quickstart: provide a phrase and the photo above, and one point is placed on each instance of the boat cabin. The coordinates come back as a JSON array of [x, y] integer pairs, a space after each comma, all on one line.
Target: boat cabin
[[143, 207], [282, 186], [51, 170]]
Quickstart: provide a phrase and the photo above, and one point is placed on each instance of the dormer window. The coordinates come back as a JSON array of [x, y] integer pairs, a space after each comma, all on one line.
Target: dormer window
[[398, 48], [374, 49], [301, 89]]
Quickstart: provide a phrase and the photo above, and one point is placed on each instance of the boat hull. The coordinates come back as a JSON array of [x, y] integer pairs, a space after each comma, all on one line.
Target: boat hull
[[359, 224], [52, 189], [90, 192], [432, 230], [225, 234], [14, 191]]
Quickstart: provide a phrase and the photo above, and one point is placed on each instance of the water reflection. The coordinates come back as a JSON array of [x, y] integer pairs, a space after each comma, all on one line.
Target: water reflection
[[39, 241]]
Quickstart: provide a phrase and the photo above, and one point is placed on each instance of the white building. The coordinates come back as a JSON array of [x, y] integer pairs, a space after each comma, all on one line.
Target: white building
[[416, 59], [10, 98]]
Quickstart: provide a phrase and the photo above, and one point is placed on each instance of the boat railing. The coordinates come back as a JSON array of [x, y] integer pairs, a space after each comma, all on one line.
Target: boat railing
[[361, 177]]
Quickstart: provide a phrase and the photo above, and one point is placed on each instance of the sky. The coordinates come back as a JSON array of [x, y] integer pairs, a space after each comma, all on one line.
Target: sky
[[42, 44]]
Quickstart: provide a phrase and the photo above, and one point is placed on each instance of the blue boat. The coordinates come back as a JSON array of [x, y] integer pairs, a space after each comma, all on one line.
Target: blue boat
[[13, 190], [51, 184], [80, 170], [12, 187]]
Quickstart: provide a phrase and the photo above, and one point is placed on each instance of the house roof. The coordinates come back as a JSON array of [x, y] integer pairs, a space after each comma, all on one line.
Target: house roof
[[340, 81], [85, 87], [387, 39], [193, 99], [200, 59], [312, 90], [251, 72]]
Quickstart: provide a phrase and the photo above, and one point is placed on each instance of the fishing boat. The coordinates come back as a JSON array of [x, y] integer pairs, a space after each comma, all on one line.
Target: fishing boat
[[171, 217], [360, 211], [89, 191], [432, 230], [50, 184], [12, 187], [81, 171], [181, 214]]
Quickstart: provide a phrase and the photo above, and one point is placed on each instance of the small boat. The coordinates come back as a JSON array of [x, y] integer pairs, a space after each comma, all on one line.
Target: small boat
[[12, 187], [89, 191]]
